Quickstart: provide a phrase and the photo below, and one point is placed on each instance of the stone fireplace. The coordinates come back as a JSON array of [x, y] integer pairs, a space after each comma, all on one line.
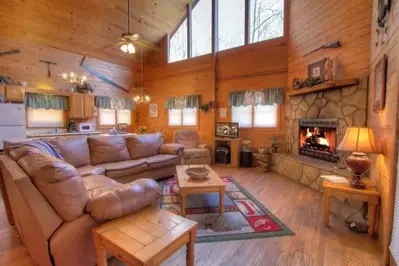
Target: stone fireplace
[[318, 138], [316, 124]]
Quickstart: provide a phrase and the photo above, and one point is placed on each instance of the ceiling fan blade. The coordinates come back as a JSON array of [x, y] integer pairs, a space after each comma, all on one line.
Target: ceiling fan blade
[[135, 37], [148, 45]]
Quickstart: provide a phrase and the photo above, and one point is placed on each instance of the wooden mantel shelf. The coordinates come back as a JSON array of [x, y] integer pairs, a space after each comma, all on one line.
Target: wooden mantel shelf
[[331, 85]]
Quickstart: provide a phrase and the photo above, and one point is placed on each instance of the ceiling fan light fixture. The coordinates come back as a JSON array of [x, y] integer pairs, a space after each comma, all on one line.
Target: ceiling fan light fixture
[[124, 48], [130, 48]]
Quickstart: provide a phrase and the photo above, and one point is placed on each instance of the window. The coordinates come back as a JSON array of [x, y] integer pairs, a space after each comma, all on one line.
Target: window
[[124, 116], [202, 28], [255, 116], [108, 117], [42, 118], [231, 23], [183, 117], [178, 46], [266, 20]]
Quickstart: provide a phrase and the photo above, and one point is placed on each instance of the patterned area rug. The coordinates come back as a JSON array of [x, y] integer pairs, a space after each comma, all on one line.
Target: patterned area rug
[[244, 216]]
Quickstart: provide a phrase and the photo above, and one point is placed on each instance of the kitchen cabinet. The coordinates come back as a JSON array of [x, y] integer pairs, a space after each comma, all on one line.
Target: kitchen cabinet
[[15, 93], [81, 106]]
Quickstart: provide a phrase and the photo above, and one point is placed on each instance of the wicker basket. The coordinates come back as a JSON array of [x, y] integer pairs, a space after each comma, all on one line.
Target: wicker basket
[[197, 172]]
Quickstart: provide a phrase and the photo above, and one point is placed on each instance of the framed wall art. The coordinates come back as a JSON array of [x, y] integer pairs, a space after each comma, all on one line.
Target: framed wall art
[[153, 110], [316, 69], [380, 75]]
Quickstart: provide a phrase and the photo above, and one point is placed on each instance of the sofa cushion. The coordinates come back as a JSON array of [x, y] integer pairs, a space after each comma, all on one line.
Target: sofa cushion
[[59, 182], [146, 145], [90, 170], [204, 153], [74, 150], [125, 168], [17, 152], [97, 184], [161, 160], [108, 149], [123, 200]]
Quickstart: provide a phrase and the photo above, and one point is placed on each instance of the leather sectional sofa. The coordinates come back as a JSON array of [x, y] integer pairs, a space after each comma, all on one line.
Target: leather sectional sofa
[[55, 203]]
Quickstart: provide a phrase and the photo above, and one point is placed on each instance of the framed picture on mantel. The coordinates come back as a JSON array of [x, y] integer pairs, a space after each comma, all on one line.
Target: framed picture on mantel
[[380, 75]]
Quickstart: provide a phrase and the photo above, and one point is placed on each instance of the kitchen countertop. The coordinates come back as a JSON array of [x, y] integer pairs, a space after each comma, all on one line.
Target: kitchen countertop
[[43, 135]]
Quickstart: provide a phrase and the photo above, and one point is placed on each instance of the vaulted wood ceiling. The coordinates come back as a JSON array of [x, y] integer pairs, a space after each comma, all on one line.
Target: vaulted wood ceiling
[[88, 27]]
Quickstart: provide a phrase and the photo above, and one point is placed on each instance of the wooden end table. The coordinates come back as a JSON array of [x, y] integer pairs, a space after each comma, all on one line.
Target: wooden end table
[[147, 237], [188, 185], [369, 194]]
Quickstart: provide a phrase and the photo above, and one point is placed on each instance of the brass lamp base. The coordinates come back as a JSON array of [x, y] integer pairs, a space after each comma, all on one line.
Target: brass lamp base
[[359, 163]]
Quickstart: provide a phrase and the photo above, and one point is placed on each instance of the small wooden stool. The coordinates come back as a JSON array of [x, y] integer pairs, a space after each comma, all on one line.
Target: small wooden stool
[[370, 195], [147, 237]]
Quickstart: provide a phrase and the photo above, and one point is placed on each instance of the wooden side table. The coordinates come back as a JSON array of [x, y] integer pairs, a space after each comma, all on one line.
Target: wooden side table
[[370, 195], [147, 237], [262, 160]]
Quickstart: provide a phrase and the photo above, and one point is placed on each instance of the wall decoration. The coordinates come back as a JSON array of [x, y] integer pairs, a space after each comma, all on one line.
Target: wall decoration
[[328, 74], [384, 6], [230, 130], [98, 75], [153, 110], [10, 52], [380, 73], [302, 83], [223, 112], [204, 107], [48, 63], [333, 45], [316, 69]]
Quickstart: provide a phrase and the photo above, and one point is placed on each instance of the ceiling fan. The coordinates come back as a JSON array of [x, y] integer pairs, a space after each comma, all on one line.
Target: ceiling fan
[[129, 40]]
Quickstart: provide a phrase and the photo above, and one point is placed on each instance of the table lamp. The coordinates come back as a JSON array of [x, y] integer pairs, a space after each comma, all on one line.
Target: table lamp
[[359, 141]]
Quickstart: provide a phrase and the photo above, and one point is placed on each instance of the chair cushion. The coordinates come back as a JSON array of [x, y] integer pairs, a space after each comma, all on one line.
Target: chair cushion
[[142, 146], [188, 153], [123, 199], [108, 149], [74, 150], [161, 160], [188, 138], [125, 168], [59, 182], [90, 170]]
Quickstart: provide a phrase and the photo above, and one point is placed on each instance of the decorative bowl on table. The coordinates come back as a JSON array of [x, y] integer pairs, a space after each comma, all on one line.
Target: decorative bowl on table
[[197, 172]]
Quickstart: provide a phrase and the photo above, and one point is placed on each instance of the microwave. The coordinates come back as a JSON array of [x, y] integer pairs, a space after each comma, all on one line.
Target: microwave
[[85, 127]]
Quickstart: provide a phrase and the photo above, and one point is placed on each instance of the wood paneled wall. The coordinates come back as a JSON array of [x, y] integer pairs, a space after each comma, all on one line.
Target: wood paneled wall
[[315, 23], [384, 123], [256, 66], [26, 67]]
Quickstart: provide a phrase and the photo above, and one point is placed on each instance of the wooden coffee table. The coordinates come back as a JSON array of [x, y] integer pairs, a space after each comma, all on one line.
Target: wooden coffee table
[[147, 237], [188, 185]]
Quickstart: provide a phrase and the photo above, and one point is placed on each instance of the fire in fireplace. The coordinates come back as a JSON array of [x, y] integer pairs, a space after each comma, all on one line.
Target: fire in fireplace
[[318, 138]]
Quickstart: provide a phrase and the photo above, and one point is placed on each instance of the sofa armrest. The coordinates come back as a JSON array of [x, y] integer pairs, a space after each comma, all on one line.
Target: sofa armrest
[[123, 199], [204, 146], [171, 148]]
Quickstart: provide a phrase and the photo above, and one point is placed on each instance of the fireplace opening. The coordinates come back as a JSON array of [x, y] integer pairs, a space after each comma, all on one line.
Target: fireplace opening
[[318, 138]]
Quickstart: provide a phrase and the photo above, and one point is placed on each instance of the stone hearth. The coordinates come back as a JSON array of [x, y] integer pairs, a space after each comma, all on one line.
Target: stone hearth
[[304, 169]]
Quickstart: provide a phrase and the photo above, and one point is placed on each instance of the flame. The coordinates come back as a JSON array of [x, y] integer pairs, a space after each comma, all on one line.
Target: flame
[[323, 141]]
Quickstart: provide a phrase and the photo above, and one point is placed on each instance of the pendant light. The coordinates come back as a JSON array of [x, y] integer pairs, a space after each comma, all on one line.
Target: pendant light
[[143, 98]]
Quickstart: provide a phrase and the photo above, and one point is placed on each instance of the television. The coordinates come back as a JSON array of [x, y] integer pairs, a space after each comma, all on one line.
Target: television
[[226, 130]]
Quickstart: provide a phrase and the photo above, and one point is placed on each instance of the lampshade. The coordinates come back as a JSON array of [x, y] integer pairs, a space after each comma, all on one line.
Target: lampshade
[[358, 139]]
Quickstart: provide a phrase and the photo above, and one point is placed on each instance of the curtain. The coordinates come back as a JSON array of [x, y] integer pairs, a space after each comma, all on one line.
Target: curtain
[[256, 97], [46, 101], [114, 103], [190, 101]]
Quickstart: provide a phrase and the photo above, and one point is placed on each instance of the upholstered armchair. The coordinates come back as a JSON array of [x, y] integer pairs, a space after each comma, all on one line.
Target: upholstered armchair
[[191, 141]]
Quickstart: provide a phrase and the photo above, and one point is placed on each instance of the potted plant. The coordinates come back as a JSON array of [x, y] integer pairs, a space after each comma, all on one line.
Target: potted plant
[[204, 107], [274, 143]]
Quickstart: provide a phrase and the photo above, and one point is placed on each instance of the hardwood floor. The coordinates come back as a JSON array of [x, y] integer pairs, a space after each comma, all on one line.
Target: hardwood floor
[[299, 207]]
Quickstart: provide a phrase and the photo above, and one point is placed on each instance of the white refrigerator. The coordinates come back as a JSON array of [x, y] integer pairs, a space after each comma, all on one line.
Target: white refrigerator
[[12, 122]]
